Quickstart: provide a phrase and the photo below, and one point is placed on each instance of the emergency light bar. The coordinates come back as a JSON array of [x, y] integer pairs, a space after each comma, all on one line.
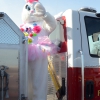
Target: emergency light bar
[[88, 9]]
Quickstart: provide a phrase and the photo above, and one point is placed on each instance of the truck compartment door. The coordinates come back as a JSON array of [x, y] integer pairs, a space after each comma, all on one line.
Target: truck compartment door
[[13, 61]]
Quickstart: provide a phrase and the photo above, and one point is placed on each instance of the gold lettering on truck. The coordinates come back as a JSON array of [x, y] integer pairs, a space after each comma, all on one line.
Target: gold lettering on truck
[[98, 92]]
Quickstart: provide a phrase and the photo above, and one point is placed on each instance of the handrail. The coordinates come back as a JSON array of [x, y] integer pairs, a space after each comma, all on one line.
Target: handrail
[[82, 72]]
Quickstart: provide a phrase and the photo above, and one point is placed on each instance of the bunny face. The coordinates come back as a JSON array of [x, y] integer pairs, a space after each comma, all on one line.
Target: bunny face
[[28, 13]]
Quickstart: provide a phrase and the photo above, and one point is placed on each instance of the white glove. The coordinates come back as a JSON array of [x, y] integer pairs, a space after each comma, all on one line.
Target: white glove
[[39, 10]]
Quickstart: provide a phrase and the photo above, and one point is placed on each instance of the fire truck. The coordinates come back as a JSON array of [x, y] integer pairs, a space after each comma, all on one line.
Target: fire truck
[[79, 34], [73, 73]]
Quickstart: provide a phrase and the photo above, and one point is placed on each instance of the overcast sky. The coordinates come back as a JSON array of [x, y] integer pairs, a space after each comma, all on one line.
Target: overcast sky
[[14, 7]]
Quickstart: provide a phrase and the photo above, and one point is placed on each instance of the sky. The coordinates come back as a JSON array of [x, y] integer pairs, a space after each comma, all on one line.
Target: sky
[[13, 8]]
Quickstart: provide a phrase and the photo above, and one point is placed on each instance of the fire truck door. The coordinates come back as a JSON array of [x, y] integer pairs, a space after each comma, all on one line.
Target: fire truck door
[[90, 35]]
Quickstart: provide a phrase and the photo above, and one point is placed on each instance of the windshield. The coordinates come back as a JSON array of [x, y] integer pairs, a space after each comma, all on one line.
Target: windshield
[[93, 35]]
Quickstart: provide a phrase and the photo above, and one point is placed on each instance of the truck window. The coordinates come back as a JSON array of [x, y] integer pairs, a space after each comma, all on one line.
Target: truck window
[[93, 35]]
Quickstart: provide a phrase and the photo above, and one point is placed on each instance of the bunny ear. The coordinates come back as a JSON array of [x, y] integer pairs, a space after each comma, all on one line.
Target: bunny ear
[[31, 1]]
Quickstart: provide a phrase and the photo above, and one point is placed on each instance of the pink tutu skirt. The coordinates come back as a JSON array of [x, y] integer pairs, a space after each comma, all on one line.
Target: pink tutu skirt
[[41, 49]]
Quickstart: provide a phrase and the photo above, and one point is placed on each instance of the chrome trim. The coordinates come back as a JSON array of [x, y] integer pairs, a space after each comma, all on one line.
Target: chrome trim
[[26, 69], [82, 71]]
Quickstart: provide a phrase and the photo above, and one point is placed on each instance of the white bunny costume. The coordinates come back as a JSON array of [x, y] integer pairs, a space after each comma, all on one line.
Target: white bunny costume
[[38, 24]]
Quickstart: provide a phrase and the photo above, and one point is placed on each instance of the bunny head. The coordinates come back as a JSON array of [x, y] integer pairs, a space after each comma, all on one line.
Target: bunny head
[[28, 12]]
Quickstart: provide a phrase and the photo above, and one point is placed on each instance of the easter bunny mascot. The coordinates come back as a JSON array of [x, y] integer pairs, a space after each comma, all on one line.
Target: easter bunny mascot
[[37, 25]]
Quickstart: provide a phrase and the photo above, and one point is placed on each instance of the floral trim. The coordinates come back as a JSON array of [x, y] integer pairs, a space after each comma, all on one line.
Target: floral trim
[[31, 32]]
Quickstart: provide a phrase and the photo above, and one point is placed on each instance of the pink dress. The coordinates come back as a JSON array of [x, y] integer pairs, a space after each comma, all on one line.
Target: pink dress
[[40, 45]]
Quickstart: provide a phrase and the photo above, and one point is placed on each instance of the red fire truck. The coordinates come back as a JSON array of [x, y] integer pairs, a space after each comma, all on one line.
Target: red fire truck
[[79, 33]]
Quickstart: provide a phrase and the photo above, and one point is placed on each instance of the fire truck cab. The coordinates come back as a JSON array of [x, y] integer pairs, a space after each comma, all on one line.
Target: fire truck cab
[[79, 34]]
